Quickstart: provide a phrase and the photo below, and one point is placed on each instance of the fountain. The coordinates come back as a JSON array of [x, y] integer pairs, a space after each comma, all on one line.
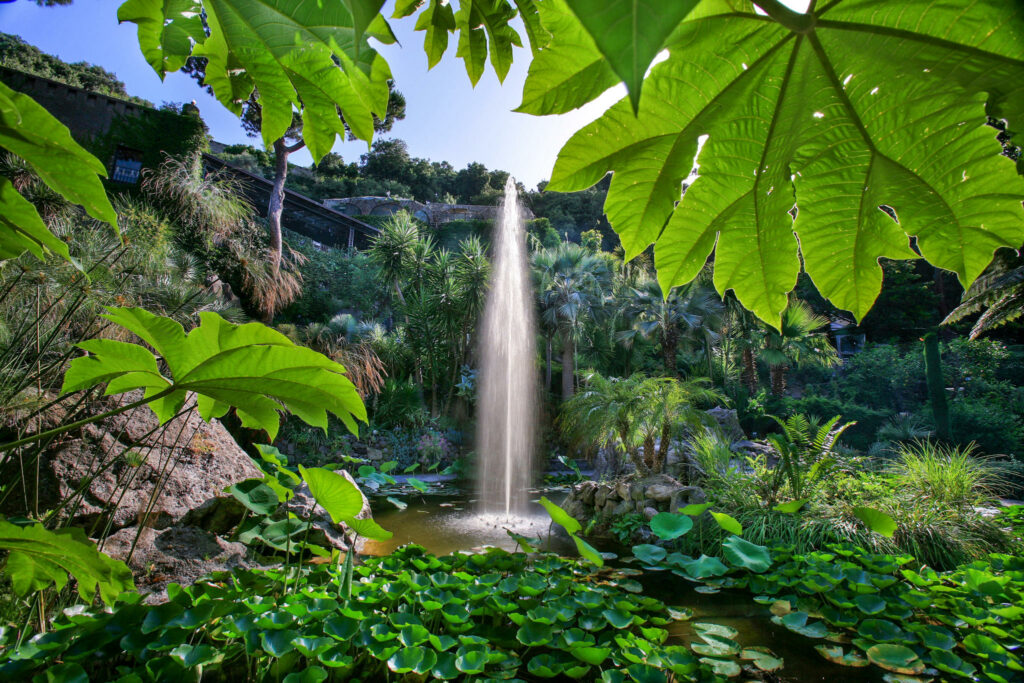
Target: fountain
[[506, 407]]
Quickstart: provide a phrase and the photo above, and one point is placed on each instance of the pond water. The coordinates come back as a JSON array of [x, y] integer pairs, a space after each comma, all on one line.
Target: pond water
[[452, 523]]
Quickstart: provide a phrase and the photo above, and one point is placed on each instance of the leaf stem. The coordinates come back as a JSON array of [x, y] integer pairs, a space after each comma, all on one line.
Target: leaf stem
[[796, 22], [85, 421]]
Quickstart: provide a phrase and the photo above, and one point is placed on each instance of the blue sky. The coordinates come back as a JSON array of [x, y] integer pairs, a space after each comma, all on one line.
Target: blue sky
[[447, 119]]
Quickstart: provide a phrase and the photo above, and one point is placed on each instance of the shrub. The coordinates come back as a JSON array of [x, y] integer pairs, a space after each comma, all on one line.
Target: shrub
[[988, 423], [946, 474]]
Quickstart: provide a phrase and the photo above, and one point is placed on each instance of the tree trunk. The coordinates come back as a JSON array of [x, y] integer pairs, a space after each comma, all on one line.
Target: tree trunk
[[547, 367], [276, 206], [778, 373], [650, 457], [568, 363], [666, 436], [669, 345], [750, 370]]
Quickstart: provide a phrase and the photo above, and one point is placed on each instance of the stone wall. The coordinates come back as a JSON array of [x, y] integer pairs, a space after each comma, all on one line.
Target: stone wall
[[606, 500]]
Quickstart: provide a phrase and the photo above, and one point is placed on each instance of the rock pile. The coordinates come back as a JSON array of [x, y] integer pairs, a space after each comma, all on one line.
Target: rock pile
[[605, 501]]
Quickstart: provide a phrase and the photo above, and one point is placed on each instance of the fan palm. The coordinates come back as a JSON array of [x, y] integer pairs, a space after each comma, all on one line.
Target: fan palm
[[799, 342], [693, 310], [569, 283]]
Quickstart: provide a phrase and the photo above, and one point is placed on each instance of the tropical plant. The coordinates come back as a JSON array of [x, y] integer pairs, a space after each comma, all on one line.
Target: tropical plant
[[635, 413], [805, 451], [693, 311], [569, 281], [798, 341], [998, 294]]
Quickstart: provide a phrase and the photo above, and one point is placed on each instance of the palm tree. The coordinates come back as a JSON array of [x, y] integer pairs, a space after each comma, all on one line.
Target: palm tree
[[999, 292], [798, 341], [633, 413], [693, 310], [569, 282]]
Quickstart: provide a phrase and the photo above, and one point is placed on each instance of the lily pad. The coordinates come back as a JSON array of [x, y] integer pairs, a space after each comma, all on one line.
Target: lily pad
[[763, 658], [835, 654], [897, 658], [747, 555], [649, 554]]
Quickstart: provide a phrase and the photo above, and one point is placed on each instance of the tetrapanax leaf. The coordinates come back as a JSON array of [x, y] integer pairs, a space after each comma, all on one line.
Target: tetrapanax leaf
[[404, 8], [481, 22], [535, 33], [840, 118], [437, 20], [252, 368], [629, 33], [309, 56], [40, 558], [568, 71], [167, 30], [32, 133]]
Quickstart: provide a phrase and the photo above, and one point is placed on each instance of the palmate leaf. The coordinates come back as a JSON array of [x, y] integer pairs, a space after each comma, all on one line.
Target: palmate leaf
[[437, 20], [40, 558], [569, 70], [167, 30], [483, 24], [629, 33], [867, 104], [32, 133], [314, 57], [250, 367]]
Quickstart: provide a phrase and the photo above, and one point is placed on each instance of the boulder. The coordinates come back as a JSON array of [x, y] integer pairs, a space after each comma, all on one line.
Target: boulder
[[324, 532], [585, 491], [622, 490], [601, 496], [662, 493], [649, 513], [728, 423], [130, 458], [636, 491], [179, 554], [623, 507]]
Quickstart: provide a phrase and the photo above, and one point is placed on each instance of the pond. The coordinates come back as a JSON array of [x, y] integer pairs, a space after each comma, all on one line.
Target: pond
[[451, 523]]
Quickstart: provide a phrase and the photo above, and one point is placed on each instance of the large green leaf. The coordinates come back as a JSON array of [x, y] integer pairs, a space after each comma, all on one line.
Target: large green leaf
[[167, 30], [876, 520], [741, 553], [561, 517], [867, 104], [39, 558], [569, 71], [481, 22], [437, 21], [32, 133], [630, 33], [309, 56], [334, 492], [250, 367]]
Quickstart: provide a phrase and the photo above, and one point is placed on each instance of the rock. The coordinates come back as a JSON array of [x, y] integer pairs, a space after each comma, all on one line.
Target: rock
[[324, 532], [751, 447], [636, 491], [687, 495], [600, 496], [662, 492], [179, 554], [374, 454], [219, 515], [728, 423], [576, 509], [649, 513], [586, 490], [359, 448], [621, 508], [190, 461], [622, 490]]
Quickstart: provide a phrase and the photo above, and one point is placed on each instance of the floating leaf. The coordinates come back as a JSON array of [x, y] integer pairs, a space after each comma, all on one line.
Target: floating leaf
[[834, 654], [898, 658], [741, 553]]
